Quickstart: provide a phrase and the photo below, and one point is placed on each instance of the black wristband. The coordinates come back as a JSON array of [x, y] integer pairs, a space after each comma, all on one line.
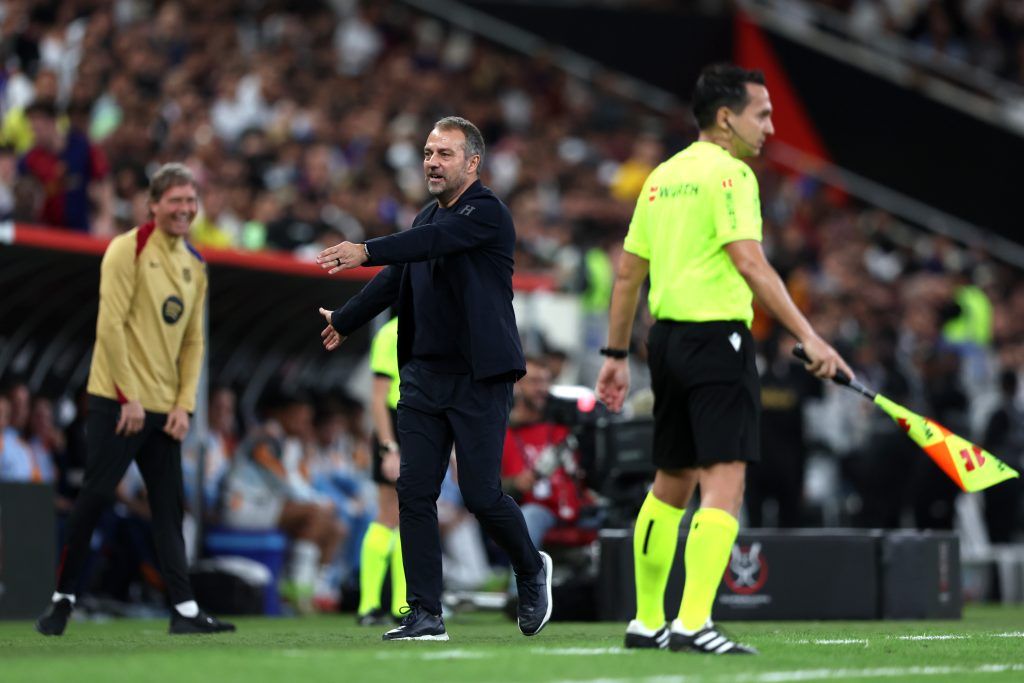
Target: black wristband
[[614, 353]]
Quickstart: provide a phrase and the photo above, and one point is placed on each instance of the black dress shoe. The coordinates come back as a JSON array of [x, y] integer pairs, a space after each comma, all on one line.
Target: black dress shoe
[[535, 598], [418, 624], [200, 623], [55, 620]]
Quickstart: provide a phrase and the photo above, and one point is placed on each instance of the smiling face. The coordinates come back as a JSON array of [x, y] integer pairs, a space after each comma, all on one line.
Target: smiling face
[[445, 167], [176, 209]]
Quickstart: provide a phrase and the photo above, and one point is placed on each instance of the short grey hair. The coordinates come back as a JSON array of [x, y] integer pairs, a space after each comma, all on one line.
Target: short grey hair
[[474, 139], [168, 176]]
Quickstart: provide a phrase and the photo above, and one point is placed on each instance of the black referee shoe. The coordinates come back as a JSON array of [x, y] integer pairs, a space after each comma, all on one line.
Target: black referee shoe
[[710, 640], [535, 598], [200, 623], [418, 624], [55, 619], [641, 637], [375, 617]]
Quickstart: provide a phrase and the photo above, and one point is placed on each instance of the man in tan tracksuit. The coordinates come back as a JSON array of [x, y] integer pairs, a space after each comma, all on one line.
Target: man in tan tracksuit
[[142, 388]]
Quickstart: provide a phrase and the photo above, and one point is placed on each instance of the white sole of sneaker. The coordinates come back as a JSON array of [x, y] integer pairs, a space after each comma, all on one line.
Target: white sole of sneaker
[[548, 566], [443, 636]]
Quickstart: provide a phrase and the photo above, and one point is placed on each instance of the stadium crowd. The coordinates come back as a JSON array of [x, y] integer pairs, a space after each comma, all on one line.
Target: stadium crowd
[[988, 34], [304, 128]]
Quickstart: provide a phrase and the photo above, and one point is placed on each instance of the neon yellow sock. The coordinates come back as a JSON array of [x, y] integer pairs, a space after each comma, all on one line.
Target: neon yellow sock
[[655, 538], [373, 565], [397, 577], [708, 547]]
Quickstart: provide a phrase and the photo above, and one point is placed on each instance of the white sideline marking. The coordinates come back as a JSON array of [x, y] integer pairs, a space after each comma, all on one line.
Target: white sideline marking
[[442, 654], [932, 637], [454, 654], [1011, 634], [835, 641], [798, 675], [581, 651]]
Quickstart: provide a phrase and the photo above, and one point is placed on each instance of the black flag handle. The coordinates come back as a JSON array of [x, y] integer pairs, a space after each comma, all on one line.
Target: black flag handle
[[840, 377]]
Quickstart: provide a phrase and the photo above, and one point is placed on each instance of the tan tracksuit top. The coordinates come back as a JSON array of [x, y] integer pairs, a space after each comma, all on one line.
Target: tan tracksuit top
[[149, 333]]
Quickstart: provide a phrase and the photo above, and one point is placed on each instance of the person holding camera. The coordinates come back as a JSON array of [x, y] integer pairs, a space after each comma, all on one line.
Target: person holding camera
[[539, 466]]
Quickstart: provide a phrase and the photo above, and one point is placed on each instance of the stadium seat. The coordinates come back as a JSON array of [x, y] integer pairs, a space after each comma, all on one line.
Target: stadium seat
[[267, 547]]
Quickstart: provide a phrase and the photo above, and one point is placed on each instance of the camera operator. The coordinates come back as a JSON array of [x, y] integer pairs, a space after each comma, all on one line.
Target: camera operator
[[540, 465]]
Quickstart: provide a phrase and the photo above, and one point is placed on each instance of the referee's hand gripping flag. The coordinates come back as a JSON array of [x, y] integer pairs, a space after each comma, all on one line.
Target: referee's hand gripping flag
[[970, 466]]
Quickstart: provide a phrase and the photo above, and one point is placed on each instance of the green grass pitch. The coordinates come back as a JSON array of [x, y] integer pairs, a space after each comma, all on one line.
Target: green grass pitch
[[987, 645]]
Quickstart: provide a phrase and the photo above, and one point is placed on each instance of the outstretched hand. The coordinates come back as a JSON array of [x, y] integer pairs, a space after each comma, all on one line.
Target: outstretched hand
[[331, 337], [341, 256]]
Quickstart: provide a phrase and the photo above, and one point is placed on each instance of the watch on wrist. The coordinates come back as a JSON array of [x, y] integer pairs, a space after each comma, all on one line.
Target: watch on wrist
[[388, 447], [614, 353]]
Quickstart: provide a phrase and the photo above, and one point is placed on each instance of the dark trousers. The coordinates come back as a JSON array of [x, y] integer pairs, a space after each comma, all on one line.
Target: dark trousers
[[435, 411], [109, 455]]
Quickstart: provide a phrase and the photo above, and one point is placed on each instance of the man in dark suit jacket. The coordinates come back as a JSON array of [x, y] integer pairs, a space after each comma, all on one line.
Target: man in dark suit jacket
[[459, 355]]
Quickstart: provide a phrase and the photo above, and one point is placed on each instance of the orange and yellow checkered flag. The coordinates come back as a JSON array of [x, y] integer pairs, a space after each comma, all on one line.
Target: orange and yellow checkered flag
[[970, 466]]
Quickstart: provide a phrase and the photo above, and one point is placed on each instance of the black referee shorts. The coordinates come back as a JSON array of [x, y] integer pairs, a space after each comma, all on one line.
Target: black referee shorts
[[707, 397]]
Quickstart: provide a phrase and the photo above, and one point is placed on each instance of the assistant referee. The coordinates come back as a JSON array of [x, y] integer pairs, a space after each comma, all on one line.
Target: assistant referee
[[696, 230]]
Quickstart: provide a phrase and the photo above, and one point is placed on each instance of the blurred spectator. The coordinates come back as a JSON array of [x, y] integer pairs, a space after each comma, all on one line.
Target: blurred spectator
[[1004, 437], [628, 181], [8, 181], [16, 130], [336, 473], [219, 448], [215, 226], [45, 440], [776, 483], [71, 460], [984, 34], [264, 488], [67, 172], [15, 454]]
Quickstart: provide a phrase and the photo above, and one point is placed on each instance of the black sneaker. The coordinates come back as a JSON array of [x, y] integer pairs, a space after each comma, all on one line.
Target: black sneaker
[[55, 620], [375, 617], [710, 640], [535, 598], [639, 636], [418, 624], [200, 623]]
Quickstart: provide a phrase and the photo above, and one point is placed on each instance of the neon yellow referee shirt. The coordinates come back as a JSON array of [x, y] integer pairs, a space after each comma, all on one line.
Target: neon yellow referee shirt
[[384, 358], [691, 206]]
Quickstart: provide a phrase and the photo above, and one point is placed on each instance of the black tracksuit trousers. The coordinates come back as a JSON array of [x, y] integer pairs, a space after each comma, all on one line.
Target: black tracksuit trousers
[[108, 458]]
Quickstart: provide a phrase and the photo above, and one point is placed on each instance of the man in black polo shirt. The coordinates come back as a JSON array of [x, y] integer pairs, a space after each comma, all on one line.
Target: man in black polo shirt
[[459, 355]]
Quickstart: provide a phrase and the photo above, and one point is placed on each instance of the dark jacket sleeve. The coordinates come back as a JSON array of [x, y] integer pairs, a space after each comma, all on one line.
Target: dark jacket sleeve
[[451, 234], [378, 294]]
